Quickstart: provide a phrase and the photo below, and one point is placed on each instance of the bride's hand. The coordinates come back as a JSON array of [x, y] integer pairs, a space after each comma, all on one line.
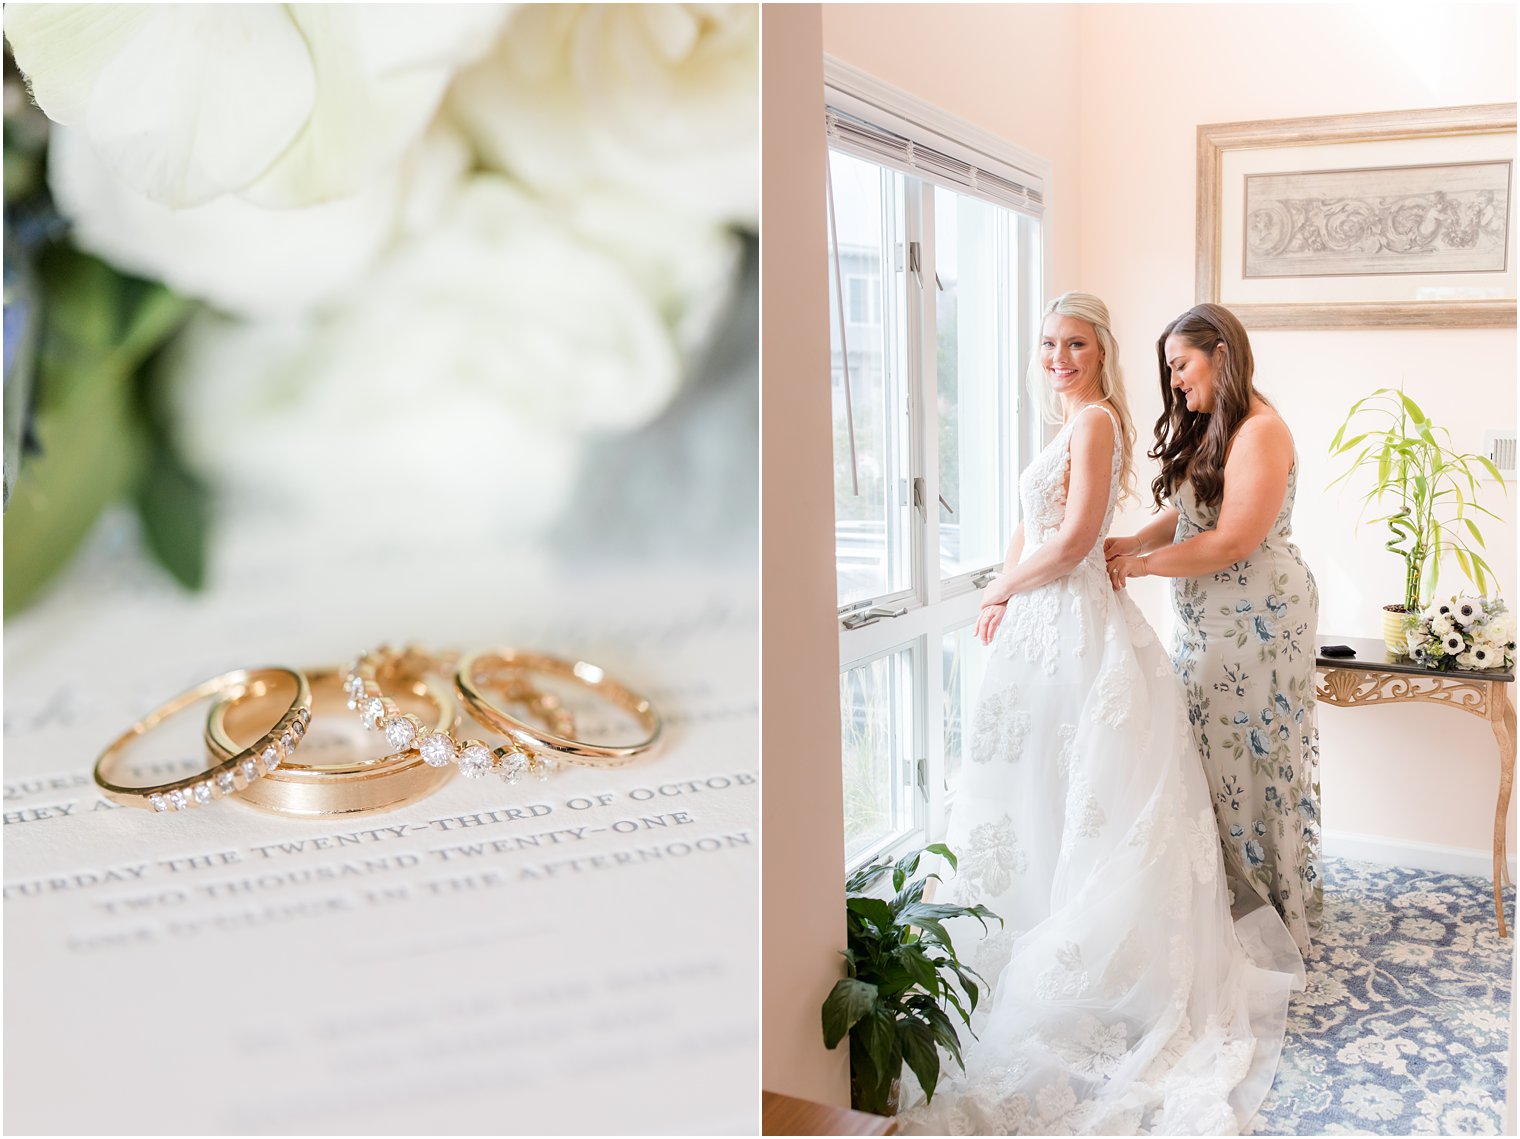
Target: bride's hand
[[1121, 547], [1123, 567], [994, 593], [989, 620]]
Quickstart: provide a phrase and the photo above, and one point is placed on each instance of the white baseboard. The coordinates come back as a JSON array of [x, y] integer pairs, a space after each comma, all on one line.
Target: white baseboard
[[1420, 855]]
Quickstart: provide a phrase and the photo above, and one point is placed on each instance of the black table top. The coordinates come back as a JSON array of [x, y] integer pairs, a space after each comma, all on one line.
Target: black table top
[[1372, 653]]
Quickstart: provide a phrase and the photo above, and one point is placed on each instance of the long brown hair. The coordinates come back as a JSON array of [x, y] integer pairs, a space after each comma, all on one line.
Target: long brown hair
[[1192, 445]]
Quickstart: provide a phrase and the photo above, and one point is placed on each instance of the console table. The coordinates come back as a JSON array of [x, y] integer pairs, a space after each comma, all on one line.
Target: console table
[[1376, 676]]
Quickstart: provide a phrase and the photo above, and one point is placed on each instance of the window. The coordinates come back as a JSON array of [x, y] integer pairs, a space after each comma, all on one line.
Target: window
[[936, 281]]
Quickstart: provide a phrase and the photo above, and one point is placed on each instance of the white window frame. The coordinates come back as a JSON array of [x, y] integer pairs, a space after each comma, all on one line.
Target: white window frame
[[934, 607]]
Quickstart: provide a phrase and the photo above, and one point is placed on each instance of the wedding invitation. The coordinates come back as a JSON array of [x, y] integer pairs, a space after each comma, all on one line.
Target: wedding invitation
[[572, 955]]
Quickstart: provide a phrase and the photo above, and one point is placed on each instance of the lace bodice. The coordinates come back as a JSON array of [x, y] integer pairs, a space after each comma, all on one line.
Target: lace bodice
[[1042, 487]]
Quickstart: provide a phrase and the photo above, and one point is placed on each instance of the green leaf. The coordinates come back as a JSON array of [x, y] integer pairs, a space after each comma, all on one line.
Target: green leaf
[[942, 1026], [880, 1041], [175, 508], [847, 1002], [873, 910], [920, 968], [968, 979], [1492, 470], [99, 328], [916, 1041], [913, 892], [1412, 408], [871, 1081], [919, 911], [943, 851]]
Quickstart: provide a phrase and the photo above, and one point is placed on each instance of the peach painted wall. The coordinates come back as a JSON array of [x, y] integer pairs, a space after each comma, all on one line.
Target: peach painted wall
[[1150, 75], [803, 802], [1007, 69]]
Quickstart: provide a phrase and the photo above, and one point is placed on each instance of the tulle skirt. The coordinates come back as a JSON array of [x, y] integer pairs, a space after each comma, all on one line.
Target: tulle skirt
[[1126, 997]]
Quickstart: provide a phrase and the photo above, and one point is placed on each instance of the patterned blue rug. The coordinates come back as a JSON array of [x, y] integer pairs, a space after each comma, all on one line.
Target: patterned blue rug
[[1404, 1026]]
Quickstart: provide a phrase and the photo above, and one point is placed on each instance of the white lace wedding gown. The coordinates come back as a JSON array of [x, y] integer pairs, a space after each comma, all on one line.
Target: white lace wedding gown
[[1124, 999]]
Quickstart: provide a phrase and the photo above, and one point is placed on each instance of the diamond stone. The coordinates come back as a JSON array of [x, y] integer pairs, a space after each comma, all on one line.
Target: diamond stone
[[159, 802], [437, 749], [288, 743], [272, 757], [203, 792], [514, 767], [224, 781], [250, 770], [475, 761], [298, 728], [400, 732], [179, 799], [374, 712]]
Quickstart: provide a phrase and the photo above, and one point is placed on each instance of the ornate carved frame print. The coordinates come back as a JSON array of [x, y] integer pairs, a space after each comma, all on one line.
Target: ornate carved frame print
[[1400, 219]]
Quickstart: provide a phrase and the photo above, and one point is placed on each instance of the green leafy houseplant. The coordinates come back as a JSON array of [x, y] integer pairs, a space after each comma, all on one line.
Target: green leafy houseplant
[[903, 975], [1429, 488]]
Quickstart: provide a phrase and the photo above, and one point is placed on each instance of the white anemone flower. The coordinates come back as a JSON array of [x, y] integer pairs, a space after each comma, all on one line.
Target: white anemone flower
[[662, 99], [1467, 610], [478, 356], [283, 105]]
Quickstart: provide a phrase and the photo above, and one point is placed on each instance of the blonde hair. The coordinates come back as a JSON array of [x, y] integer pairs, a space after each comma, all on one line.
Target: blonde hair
[[1085, 306]]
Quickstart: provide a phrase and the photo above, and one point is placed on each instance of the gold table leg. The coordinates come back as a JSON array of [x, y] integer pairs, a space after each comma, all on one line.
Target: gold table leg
[[1354, 688], [1502, 716]]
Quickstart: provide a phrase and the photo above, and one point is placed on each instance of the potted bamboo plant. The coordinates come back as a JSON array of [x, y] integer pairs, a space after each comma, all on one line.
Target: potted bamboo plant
[[903, 981], [1429, 490]]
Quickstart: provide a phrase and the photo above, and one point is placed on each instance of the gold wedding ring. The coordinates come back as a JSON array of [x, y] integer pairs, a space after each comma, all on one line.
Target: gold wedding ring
[[319, 789], [501, 670], [269, 747]]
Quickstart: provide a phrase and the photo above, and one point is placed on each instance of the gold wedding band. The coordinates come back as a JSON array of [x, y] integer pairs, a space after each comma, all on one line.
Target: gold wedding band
[[270, 748], [376, 673], [502, 669], [352, 787]]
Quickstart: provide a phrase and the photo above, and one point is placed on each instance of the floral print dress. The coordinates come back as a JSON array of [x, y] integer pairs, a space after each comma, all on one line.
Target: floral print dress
[[1244, 650]]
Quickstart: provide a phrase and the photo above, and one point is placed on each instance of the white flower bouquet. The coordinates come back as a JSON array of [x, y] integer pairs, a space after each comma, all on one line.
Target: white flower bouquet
[[1463, 633], [268, 263]]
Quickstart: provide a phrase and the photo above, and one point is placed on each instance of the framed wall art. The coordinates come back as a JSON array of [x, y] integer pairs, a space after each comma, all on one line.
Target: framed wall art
[[1394, 219]]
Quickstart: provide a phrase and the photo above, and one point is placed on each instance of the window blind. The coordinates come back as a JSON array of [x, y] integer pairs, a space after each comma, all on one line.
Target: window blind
[[993, 181]]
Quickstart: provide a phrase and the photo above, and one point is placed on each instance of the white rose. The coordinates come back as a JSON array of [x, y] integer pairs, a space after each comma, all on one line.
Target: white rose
[[1441, 625], [242, 258], [1501, 627], [284, 105], [458, 381], [687, 267], [659, 98]]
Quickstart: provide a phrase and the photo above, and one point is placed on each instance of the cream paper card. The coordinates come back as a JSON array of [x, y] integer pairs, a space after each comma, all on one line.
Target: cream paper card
[[570, 956]]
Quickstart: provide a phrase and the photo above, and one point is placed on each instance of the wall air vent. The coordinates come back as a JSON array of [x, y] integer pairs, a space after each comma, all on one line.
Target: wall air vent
[[1500, 448]]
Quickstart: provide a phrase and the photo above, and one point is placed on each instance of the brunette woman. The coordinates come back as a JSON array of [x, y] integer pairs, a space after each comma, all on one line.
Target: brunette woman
[[1247, 608]]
